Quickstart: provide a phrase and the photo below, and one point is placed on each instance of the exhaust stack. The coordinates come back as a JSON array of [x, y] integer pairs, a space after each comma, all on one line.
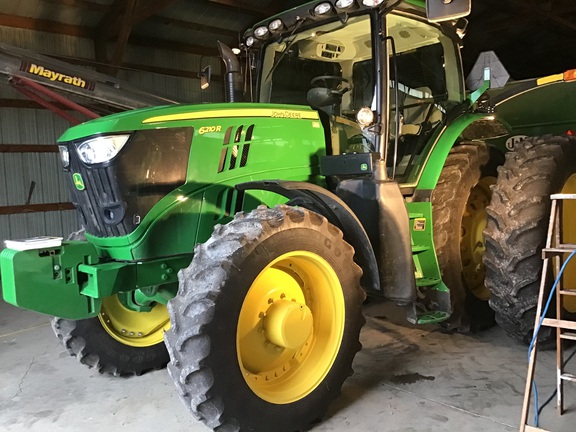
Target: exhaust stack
[[233, 76]]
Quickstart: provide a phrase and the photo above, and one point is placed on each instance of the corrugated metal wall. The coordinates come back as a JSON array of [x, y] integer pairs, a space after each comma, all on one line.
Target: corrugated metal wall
[[23, 126], [32, 178]]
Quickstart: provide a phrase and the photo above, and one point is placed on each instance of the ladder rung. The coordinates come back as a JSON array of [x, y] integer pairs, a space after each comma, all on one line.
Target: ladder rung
[[570, 325], [561, 196], [557, 250], [568, 377], [534, 429], [566, 329], [569, 336]]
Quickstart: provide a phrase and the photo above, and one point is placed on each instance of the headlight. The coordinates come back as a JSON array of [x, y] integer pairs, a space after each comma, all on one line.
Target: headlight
[[249, 41], [365, 117], [101, 149], [64, 155]]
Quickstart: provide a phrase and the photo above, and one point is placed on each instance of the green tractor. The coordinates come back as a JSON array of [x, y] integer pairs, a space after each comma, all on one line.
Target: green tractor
[[237, 242]]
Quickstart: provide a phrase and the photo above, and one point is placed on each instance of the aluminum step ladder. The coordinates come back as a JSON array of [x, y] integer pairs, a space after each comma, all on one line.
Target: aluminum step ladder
[[556, 250]]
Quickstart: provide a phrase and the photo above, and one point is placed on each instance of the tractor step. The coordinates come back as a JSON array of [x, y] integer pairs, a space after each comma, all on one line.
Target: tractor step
[[424, 282], [433, 303], [416, 249], [432, 317], [429, 317]]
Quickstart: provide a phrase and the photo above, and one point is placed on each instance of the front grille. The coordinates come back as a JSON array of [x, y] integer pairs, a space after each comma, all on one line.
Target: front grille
[[118, 194]]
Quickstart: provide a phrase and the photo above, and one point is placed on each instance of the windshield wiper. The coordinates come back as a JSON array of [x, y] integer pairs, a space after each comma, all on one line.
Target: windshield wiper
[[288, 46]]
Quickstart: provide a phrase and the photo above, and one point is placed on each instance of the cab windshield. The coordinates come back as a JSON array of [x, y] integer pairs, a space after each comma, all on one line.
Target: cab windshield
[[331, 69]]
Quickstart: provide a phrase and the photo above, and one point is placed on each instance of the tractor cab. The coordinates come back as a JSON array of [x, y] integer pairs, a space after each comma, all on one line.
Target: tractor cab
[[332, 64]]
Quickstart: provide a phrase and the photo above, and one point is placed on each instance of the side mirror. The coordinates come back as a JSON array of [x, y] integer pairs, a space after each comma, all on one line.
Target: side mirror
[[444, 10], [205, 77]]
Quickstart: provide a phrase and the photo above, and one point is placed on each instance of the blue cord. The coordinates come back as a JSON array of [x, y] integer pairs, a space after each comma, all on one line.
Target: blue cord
[[542, 317]]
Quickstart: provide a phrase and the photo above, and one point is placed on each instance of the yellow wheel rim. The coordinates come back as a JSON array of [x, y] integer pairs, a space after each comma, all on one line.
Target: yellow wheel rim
[[137, 329], [569, 236], [472, 244], [290, 327]]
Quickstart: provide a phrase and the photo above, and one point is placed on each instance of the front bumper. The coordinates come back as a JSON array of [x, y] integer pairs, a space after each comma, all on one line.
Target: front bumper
[[69, 281]]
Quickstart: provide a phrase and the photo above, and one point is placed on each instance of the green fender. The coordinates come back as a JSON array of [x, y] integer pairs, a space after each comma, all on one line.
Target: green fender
[[468, 127]]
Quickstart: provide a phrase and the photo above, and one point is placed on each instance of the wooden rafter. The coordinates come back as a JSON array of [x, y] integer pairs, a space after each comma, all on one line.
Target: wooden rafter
[[35, 208], [28, 148], [85, 32], [138, 67], [241, 7], [117, 24], [123, 35], [113, 22], [548, 15], [117, 12], [174, 46], [44, 26], [80, 4], [231, 34]]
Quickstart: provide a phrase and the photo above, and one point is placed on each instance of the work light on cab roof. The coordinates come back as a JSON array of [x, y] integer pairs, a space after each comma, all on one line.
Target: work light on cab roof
[[372, 3], [323, 9], [254, 37], [345, 5], [276, 26], [261, 32]]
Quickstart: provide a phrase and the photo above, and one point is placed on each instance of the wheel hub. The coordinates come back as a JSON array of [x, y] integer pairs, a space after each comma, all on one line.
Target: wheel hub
[[472, 245], [290, 327], [137, 329], [288, 324]]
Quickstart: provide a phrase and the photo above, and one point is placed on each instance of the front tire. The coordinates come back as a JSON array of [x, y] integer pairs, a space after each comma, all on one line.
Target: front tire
[[118, 341], [266, 322], [93, 346], [517, 224]]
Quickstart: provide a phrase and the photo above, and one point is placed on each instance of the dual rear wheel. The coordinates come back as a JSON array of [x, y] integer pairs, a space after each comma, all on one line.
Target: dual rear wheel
[[489, 232]]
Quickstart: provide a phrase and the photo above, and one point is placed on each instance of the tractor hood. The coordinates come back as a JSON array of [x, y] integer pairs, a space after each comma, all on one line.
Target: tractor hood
[[167, 116], [152, 182]]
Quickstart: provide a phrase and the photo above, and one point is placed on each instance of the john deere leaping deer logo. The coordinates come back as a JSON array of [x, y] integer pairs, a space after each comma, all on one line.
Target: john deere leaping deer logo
[[78, 181]]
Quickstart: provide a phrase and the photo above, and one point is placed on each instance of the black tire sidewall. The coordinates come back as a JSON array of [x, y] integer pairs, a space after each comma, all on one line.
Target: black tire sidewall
[[518, 242], [95, 347], [100, 350], [238, 398], [468, 311]]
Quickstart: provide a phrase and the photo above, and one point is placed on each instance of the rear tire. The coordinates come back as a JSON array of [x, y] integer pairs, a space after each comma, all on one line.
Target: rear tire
[[100, 343], [234, 362], [518, 219], [458, 209]]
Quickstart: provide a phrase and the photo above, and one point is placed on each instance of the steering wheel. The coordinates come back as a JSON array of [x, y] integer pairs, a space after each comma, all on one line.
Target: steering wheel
[[340, 85]]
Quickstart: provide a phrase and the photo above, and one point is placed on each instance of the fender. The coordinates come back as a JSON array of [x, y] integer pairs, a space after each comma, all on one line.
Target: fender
[[469, 127], [324, 202]]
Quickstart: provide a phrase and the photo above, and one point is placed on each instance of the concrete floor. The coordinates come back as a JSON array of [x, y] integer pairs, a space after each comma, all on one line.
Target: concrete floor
[[408, 378]]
